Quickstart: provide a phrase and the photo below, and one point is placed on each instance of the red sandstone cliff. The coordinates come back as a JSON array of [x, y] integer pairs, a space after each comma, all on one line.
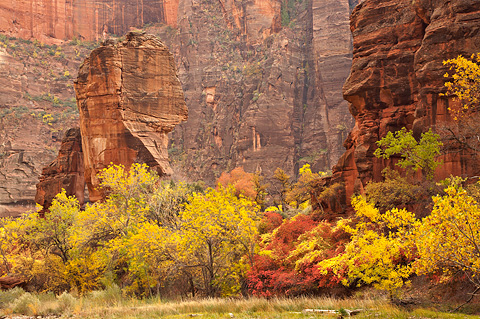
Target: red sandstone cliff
[[49, 20], [262, 95], [65, 172], [129, 98], [397, 76]]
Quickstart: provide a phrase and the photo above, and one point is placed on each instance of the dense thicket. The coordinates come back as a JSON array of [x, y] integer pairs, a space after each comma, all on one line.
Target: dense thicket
[[156, 237]]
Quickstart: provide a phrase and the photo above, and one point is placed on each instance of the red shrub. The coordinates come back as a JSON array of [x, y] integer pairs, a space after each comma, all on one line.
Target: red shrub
[[276, 272]]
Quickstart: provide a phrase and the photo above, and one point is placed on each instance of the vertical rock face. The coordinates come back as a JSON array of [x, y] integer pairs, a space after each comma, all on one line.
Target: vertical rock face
[[84, 19], [332, 59], [129, 98], [262, 78], [397, 76], [263, 82], [65, 172]]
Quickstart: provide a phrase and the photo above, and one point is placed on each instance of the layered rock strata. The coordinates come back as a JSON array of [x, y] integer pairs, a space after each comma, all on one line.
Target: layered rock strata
[[66, 172], [263, 92], [396, 80], [47, 20], [129, 98]]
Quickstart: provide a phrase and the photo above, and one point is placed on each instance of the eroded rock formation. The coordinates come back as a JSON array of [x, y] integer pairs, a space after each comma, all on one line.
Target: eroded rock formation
[[65, 172], [263, 93], [396, 79], [129, 98], [50, 20]]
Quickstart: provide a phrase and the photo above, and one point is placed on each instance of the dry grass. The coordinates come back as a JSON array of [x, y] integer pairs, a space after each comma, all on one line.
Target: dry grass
[[111, 304]]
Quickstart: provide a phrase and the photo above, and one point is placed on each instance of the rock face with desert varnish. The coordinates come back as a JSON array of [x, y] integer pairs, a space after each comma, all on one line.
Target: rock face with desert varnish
[[129, 99], [262, 93], [397, 77], [53, 20], [65, 172]]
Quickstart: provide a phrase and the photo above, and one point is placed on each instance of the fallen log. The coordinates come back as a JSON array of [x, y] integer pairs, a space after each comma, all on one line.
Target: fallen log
[[329, 311]]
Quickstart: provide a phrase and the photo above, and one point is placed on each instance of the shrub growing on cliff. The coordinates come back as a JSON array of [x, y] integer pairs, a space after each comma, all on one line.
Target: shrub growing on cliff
[[397, 191], [415, 155], [465, 84]]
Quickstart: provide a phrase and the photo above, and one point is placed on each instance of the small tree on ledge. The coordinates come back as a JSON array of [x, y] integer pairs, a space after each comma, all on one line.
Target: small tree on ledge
[[414, 155]]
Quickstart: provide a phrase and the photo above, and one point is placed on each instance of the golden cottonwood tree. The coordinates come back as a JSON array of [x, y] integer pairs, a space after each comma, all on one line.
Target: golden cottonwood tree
[[111, 233], [448, 240], [125, 205], [380, 249], [40, 248], [218, 229], [144, 236]]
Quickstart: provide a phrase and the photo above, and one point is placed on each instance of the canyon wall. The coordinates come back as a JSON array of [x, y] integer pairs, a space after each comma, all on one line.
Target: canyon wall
[[129, 98], [36, 106], [262, 82], [396, 81], [50, 20]]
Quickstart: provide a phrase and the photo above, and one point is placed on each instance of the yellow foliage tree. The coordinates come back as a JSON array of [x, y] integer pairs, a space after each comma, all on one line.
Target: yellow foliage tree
[[104, 230], [42, 245], [380, 248], [448, 240], [144, 235], [283, 179], [125, 205], [465, 88], [299, 194], [166, 202], [387, 248], [218, 229], [466, 83]]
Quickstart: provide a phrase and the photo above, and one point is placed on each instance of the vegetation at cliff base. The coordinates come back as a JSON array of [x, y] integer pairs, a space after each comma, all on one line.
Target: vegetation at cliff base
[[157, 238], [150, 240]]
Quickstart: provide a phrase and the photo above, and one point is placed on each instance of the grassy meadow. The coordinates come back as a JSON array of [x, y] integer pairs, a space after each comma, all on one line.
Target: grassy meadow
[[110, 303]]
